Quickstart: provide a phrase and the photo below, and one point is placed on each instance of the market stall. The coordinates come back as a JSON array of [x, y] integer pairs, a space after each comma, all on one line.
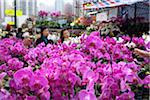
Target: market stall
[[131, 16], [114, 8]]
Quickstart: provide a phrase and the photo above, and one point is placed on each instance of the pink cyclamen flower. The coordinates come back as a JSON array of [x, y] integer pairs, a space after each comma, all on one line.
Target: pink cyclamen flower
[[126, 96], [14, 64], [2, 75], [38, 82]]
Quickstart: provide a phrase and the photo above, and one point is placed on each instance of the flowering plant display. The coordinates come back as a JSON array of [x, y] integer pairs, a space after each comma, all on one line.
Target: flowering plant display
[[50, 24], [100, 69], [55, 14], [117, 26], [43, 13], [43, 21], [110, 29], [137, 25]]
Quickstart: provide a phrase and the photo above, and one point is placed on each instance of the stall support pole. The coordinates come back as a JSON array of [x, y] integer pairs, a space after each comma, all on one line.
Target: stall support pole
[[15, 15], [135, 11]]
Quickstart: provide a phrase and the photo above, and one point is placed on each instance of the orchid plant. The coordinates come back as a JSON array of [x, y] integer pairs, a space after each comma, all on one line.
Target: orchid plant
[[100, 69]]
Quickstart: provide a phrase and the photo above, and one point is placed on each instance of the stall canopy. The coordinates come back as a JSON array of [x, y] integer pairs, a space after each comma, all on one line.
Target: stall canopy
[[108, 3], [102, 4]]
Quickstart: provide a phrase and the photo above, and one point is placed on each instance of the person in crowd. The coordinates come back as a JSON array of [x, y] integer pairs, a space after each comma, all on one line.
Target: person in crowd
[[9, 35], [44, 35], [65, 36], [7, 31], [29, 23], [19, 33], [24, 27], [28, 42], [1, 33], [14, 32], [8, 28], [37, 33], [30, 31], [4, 25]]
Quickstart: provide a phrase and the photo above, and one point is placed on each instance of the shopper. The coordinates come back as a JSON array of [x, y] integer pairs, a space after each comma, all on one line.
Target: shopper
[[65, 36], [19, 33], [67, 39], [28, 42], [44, 35]]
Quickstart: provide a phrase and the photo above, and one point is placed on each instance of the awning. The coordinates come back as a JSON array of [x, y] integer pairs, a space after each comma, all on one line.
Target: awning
[[108, 3], [132, 1], [89, 5], [102, 4]]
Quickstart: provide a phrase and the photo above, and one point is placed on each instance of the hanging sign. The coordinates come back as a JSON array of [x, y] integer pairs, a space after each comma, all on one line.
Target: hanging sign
[[11, 23], [11, 12], [102, 16]]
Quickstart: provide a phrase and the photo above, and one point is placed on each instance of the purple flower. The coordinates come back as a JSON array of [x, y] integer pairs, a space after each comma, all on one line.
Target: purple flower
[[55, 14], [84, 95], [31, 98], [94, 42], [126, 38], [146, 80], [135, 40], [73, 78], [109, 40], [124, 86], [3, 67], [23, 77], [45, 96], [18, 48], [126, 96], [4, 94], [106, 95], [96, 33], [90, 75], [141, 41], [38, 82], [14, 64], [43, 13], [2, 75], [148, 45], [13, 85], [64, 70]]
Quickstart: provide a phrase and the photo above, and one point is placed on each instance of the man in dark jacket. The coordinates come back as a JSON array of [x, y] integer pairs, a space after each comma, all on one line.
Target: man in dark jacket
[[44, 35]]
